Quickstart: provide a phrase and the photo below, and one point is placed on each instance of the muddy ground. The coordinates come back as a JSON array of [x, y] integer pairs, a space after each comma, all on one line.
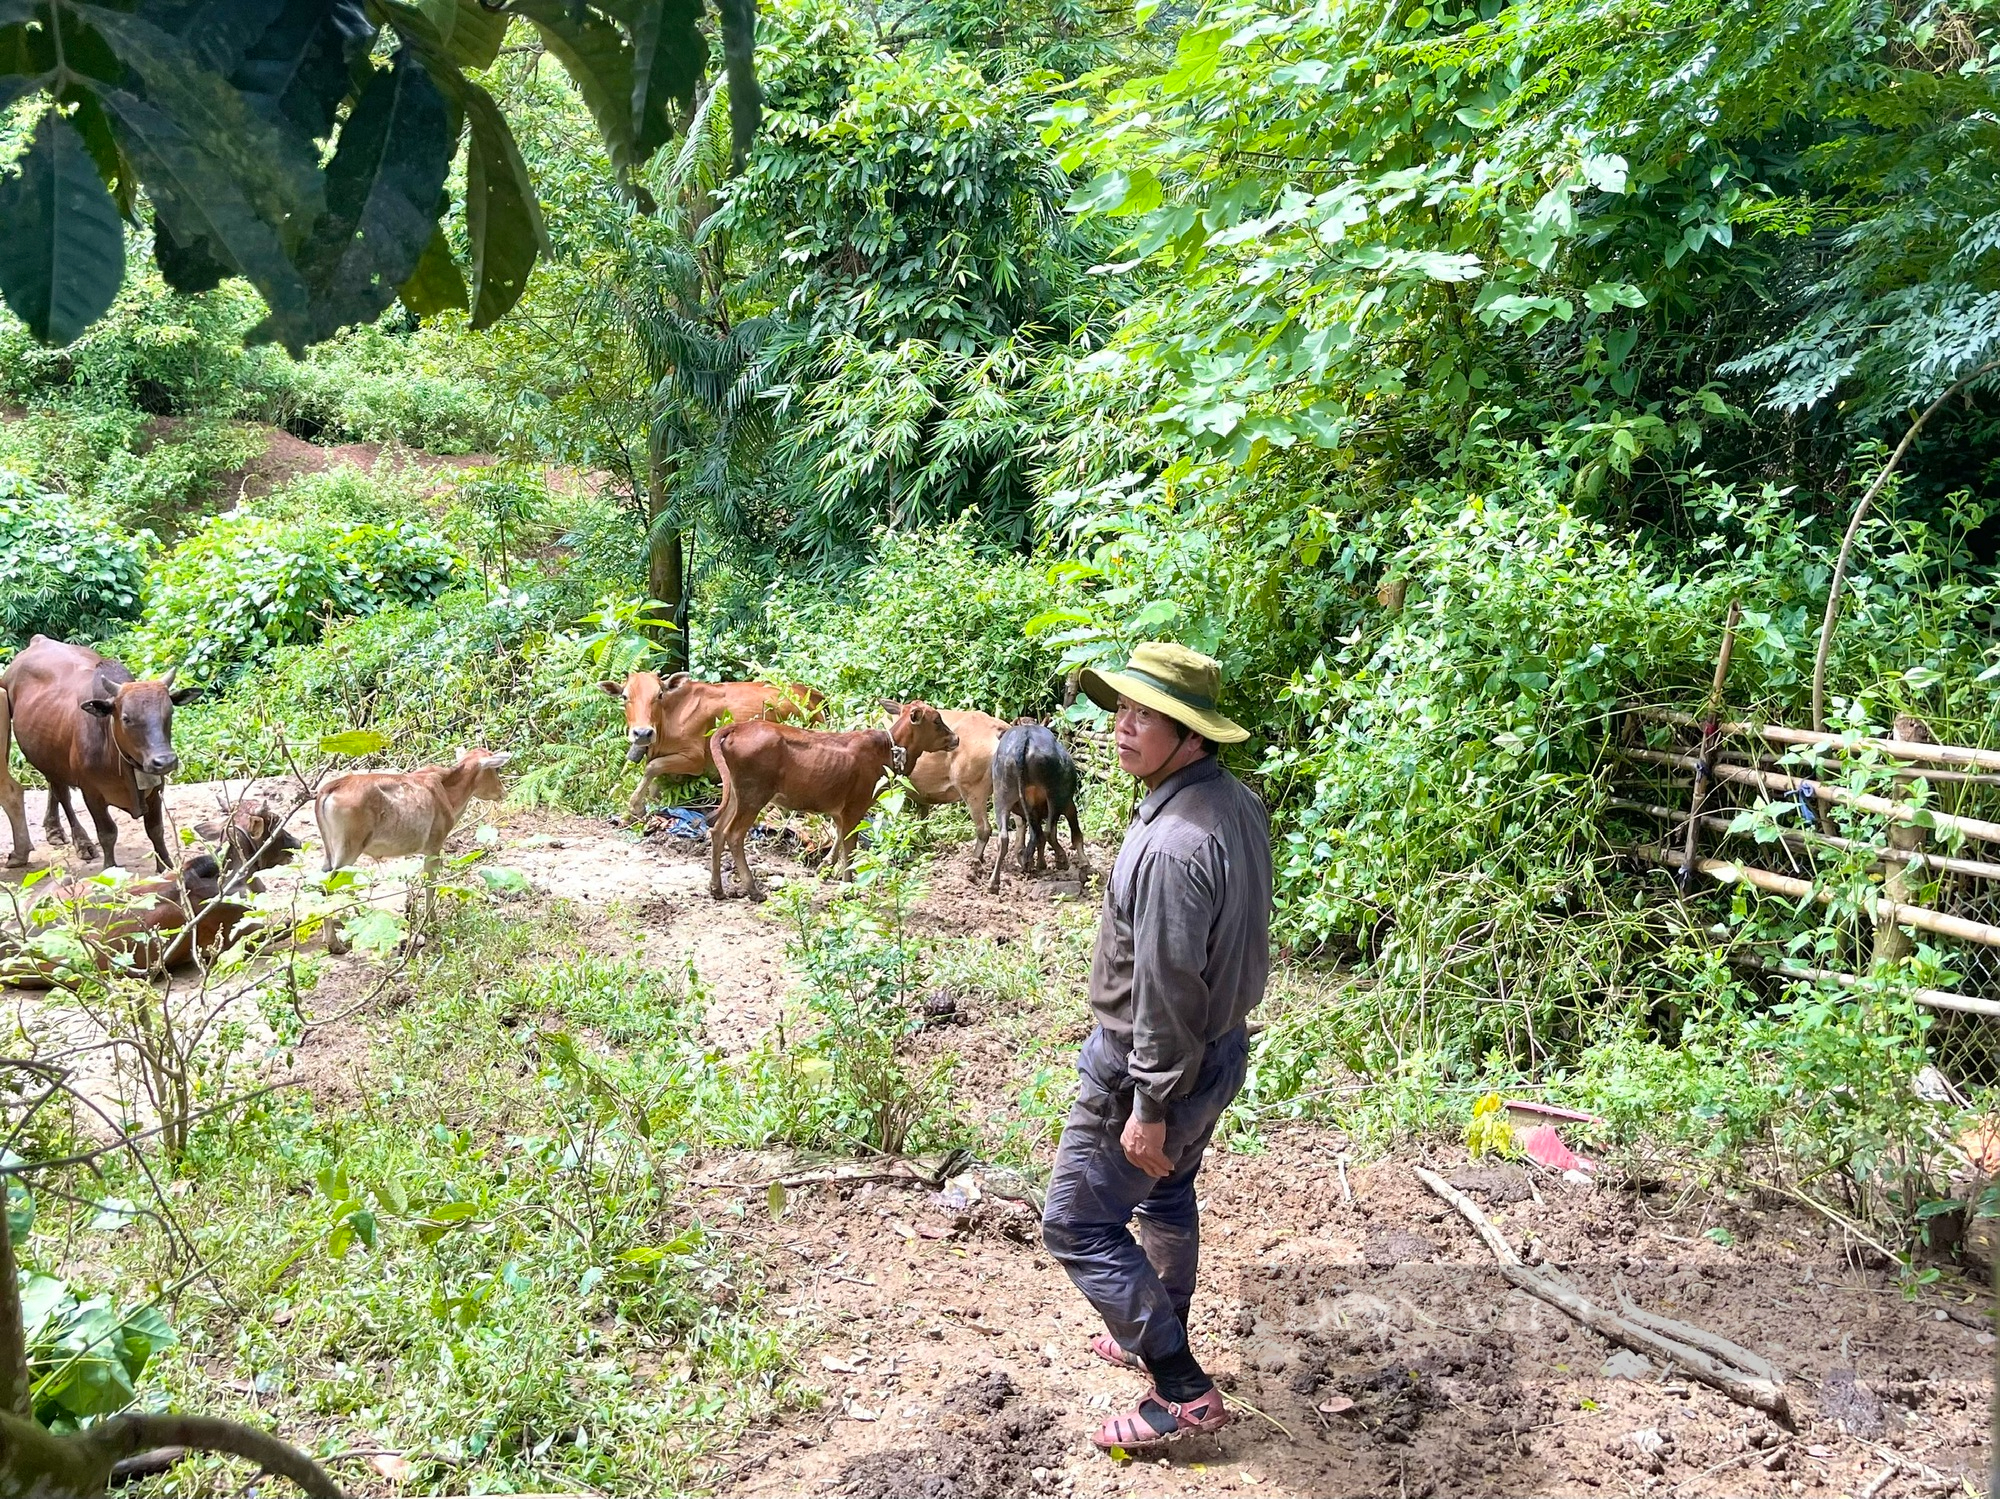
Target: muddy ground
[[1367, 1342]]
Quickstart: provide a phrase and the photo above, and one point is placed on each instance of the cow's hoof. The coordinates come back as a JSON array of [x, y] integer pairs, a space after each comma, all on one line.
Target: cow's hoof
[[88, 851], [56, 836]]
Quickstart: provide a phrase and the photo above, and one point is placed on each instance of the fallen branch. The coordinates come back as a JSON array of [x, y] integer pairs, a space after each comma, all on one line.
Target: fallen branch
[[1742, 1387]]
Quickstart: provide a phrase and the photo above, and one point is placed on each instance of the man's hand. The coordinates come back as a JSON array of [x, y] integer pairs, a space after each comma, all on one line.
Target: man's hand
[[1146, 1146]]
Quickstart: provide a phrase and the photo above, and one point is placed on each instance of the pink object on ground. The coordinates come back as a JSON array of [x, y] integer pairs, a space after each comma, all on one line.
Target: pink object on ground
[[1543, 1144]]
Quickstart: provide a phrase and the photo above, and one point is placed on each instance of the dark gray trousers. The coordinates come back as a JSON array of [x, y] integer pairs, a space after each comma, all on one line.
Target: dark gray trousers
[[1141, 1287]]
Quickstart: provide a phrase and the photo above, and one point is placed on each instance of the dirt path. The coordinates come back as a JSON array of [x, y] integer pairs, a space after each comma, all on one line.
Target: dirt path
[[1370, 1345]]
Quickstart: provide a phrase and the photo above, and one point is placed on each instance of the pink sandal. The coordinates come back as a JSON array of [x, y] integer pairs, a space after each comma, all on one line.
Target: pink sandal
[[1133, 1429], [1112, 1351]]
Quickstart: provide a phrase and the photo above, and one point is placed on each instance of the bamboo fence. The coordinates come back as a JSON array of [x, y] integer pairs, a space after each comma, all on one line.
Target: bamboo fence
[[1918, 819]]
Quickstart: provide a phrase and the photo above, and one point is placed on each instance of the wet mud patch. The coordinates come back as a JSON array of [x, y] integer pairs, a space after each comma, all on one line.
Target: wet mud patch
[[989, 1445]]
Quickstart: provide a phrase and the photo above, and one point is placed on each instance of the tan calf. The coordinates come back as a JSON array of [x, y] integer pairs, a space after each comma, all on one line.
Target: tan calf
[[803, 770], [386, 814]]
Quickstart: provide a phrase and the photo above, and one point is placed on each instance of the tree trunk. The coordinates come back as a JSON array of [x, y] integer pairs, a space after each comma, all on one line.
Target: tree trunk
[[666, 560], [1892, 943]]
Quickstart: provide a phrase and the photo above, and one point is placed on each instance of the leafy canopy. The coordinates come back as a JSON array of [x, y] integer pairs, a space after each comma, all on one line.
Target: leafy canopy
[[305, 144]]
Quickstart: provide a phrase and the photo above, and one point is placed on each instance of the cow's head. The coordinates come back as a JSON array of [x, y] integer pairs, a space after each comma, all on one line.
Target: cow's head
[[485, 767], [251, 827], [921, 729], [140, 716], [645, 694]]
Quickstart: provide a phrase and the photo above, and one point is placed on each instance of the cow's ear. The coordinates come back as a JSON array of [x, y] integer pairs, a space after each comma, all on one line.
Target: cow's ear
[[675, 682], [616, 689], [98, 707], [183, 695]]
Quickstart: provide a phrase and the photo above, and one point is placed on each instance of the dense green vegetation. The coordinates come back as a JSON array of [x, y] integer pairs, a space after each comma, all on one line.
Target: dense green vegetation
[[1445, 370]]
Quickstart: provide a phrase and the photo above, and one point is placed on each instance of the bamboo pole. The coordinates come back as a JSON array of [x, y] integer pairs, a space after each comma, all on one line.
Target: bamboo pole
[[1933, 999], [1977, 869], [1923, 918], [1709, 727], [1930, 754], [1854, 530], [1882, 806]]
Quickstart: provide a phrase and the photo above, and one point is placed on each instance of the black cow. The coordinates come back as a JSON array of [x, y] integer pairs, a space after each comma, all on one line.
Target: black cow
[[1035, 779]]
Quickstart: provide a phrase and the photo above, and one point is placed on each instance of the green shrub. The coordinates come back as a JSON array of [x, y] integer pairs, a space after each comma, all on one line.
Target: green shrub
[[376, 385], [62, 573], [503, 672], [246, 584]]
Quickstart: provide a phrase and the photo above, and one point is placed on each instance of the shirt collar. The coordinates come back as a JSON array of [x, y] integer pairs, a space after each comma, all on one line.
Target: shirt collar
[[1207, 768]]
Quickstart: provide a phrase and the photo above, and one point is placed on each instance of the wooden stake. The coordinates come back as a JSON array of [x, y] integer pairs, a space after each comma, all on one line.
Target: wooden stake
[[1709, 733]]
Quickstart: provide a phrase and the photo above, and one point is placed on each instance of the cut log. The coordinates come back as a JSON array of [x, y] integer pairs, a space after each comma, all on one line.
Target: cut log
[[1742, 1386], [1977, 869], [1932, 999], [1926, 754], [1881, 806], [1921, 917]]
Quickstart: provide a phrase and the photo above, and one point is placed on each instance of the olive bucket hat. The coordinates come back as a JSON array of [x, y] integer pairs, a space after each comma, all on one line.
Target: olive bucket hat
[[1169, 679]]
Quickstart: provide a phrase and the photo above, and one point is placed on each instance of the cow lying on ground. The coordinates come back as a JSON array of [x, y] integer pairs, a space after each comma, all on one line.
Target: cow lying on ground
[[1035, 779], [155, 923], [254, 839], [668, 721], [85, 724], [389, 814], [964, 775], [802, 770]]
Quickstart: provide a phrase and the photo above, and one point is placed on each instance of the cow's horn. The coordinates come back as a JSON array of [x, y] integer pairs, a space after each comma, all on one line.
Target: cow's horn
[[168, 680]]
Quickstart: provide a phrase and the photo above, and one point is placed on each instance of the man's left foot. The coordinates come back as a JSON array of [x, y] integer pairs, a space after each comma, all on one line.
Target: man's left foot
[[1154, 1420]]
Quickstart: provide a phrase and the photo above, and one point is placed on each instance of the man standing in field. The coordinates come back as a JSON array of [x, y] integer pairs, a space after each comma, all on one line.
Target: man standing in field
[[1183, 950]]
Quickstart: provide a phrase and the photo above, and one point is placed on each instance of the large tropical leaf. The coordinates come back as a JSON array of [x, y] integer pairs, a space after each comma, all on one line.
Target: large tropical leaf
[[306, 63], [201, 197], [382, 196], [217, 32], [502, 219], [436, 283], [594, 54], [187, 261], [62, 256], [271, 166], [478, 34]]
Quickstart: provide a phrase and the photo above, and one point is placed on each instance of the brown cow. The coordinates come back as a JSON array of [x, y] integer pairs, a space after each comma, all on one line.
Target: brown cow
[[84, 723], [668, 722], [804, 770], [154, 923], [965, 775]]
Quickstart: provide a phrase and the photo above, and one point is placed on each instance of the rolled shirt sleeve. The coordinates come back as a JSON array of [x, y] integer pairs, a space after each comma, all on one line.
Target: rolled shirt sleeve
[[1175, 899]]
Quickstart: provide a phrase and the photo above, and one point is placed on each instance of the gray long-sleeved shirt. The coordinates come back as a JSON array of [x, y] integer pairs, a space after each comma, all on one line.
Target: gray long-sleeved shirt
[[1184, 944]]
